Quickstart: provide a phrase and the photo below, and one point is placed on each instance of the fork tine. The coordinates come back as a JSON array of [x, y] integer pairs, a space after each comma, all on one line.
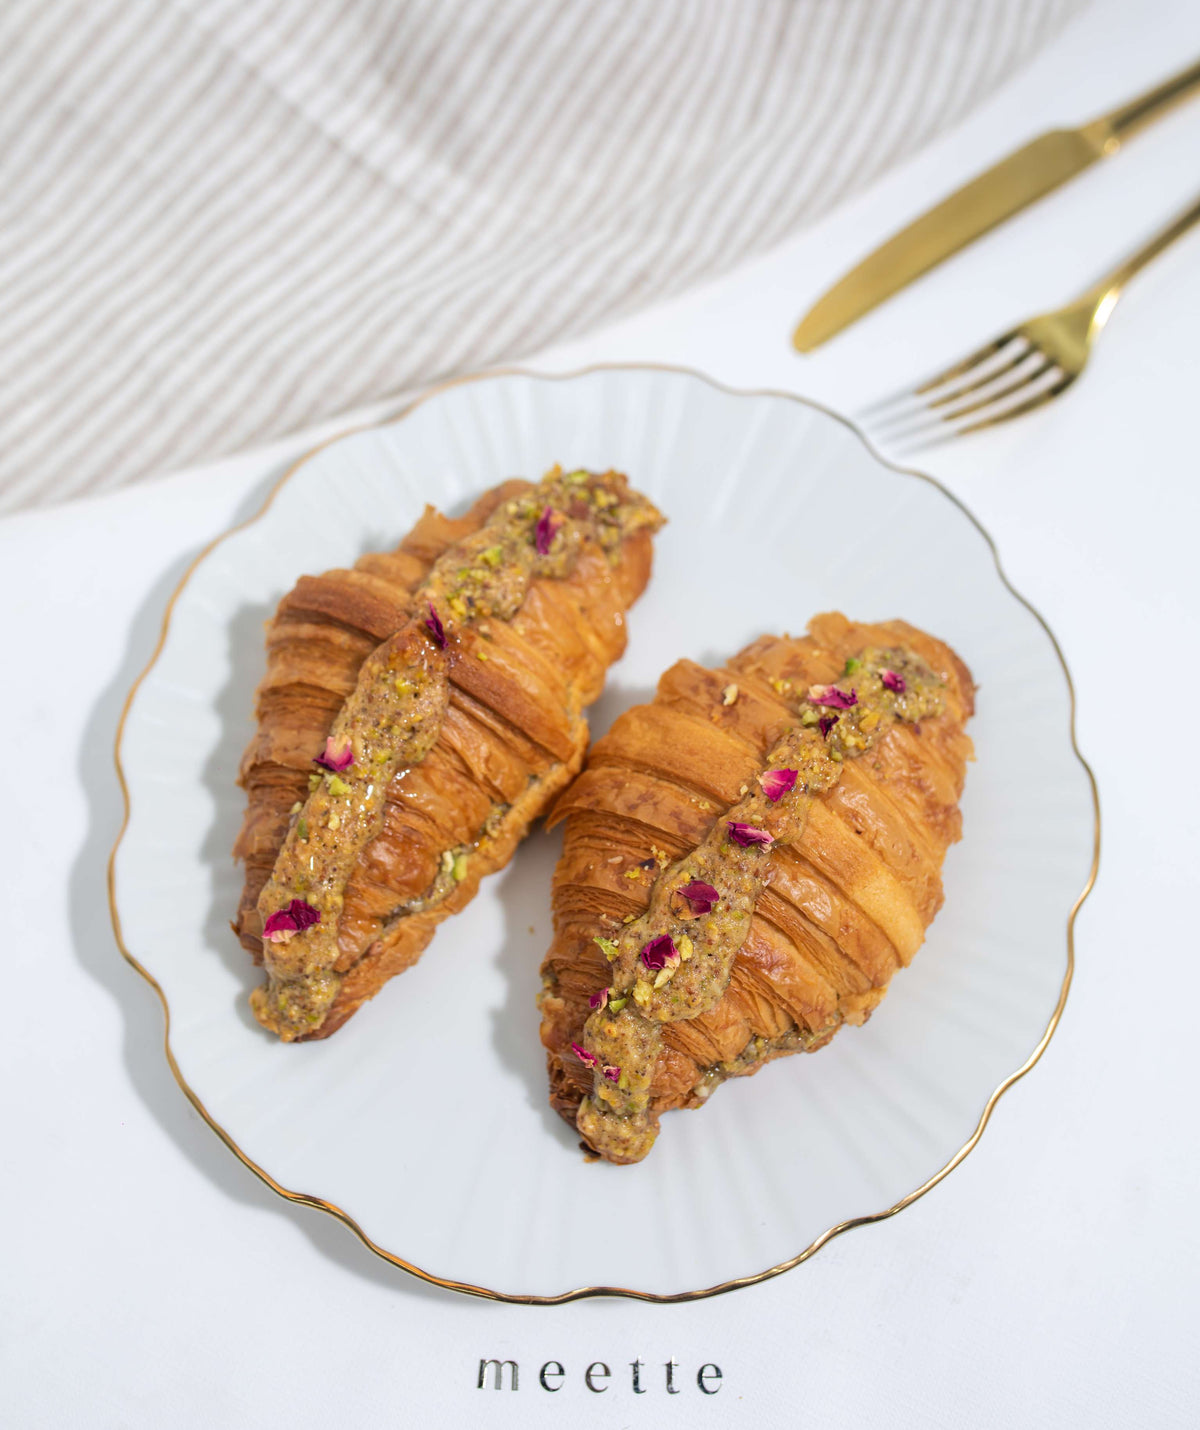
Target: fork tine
[[1028, 368], [960, 368], [1060, 384], [909, 395], [980, 378], [936, 434]]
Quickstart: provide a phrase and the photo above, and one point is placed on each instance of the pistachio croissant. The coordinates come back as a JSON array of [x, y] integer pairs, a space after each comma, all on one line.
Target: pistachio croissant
[[418, 712], [746, 862]]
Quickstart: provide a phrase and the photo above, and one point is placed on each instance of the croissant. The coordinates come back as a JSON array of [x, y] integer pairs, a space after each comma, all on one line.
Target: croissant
[[417, 713], [746, 862]]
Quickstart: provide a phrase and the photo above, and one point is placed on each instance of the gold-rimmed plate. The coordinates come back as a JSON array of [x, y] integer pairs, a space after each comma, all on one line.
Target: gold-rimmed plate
[[423, 1124]]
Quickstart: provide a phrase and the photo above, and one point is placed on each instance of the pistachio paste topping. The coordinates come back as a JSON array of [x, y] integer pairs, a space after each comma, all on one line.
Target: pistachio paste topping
[[733, 860], [394, 715]]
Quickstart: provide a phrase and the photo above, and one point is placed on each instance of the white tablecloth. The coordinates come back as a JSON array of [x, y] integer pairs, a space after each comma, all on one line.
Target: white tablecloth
[[1053, 1279]]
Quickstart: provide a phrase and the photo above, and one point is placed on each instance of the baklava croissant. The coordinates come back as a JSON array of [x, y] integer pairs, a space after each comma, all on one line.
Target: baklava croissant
[[417, 713], [746, 862]]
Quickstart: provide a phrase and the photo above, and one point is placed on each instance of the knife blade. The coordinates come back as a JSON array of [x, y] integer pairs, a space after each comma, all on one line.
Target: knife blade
[[980, 205]]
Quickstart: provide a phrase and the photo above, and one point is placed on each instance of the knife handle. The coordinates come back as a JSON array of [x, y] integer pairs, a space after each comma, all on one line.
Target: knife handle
[[1116, 126]]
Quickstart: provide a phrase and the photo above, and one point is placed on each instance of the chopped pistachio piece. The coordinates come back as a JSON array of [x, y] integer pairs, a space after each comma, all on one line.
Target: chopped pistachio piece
[[459, 868], [338, 786]]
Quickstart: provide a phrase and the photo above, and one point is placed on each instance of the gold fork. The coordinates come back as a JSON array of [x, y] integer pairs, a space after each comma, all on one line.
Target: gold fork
[[1018, 371]]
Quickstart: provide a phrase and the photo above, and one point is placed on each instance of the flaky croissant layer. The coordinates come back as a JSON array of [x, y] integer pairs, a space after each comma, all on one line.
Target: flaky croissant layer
[[843, 893], [510, 735]]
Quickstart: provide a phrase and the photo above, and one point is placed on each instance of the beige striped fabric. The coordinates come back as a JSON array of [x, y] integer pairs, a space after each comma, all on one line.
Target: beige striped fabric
[[227, 219]]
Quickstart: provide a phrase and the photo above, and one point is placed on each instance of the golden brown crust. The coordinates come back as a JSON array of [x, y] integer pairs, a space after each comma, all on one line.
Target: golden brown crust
[[512, 738], [848, 903]]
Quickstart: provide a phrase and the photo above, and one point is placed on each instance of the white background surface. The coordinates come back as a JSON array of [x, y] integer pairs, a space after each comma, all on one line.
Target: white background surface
[[150, 1280]]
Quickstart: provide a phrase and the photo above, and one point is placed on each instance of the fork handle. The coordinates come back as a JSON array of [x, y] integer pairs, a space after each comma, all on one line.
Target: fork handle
[[1118, 124], [1105, 293]]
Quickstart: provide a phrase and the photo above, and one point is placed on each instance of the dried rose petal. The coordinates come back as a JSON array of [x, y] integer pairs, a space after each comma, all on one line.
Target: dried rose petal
[[589, 1060], [893, 681], [700, 896], [826, 723], [748, 834], [659, 952], [598, 1000], [612, 1074], [335, 759], [546, 530], [294, 918], [304, 914], [831, 696], [776, 783], [433, 624]]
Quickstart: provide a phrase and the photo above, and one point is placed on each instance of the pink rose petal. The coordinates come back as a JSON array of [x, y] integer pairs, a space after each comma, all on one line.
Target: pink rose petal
[[700, 896], [589, 1060], [335, 759], [831, 696], [612, 1074], [546, 530], [826, 723], [659, 952], [599, 1000], [748, 834], [893, 681], [776, 783], [433, 624], [293, 918]]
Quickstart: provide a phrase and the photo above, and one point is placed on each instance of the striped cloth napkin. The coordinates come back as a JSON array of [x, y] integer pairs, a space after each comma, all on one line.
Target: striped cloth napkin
[[224, 220]]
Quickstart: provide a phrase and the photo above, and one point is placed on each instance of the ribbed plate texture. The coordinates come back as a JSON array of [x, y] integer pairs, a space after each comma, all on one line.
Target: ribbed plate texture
[[425, 1118]]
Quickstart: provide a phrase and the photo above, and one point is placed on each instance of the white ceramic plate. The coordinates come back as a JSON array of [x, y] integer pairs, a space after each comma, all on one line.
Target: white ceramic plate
[[424, 1123]]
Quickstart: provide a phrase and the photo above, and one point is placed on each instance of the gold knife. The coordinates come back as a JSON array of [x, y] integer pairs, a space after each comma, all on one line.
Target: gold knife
[[995, 195]]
